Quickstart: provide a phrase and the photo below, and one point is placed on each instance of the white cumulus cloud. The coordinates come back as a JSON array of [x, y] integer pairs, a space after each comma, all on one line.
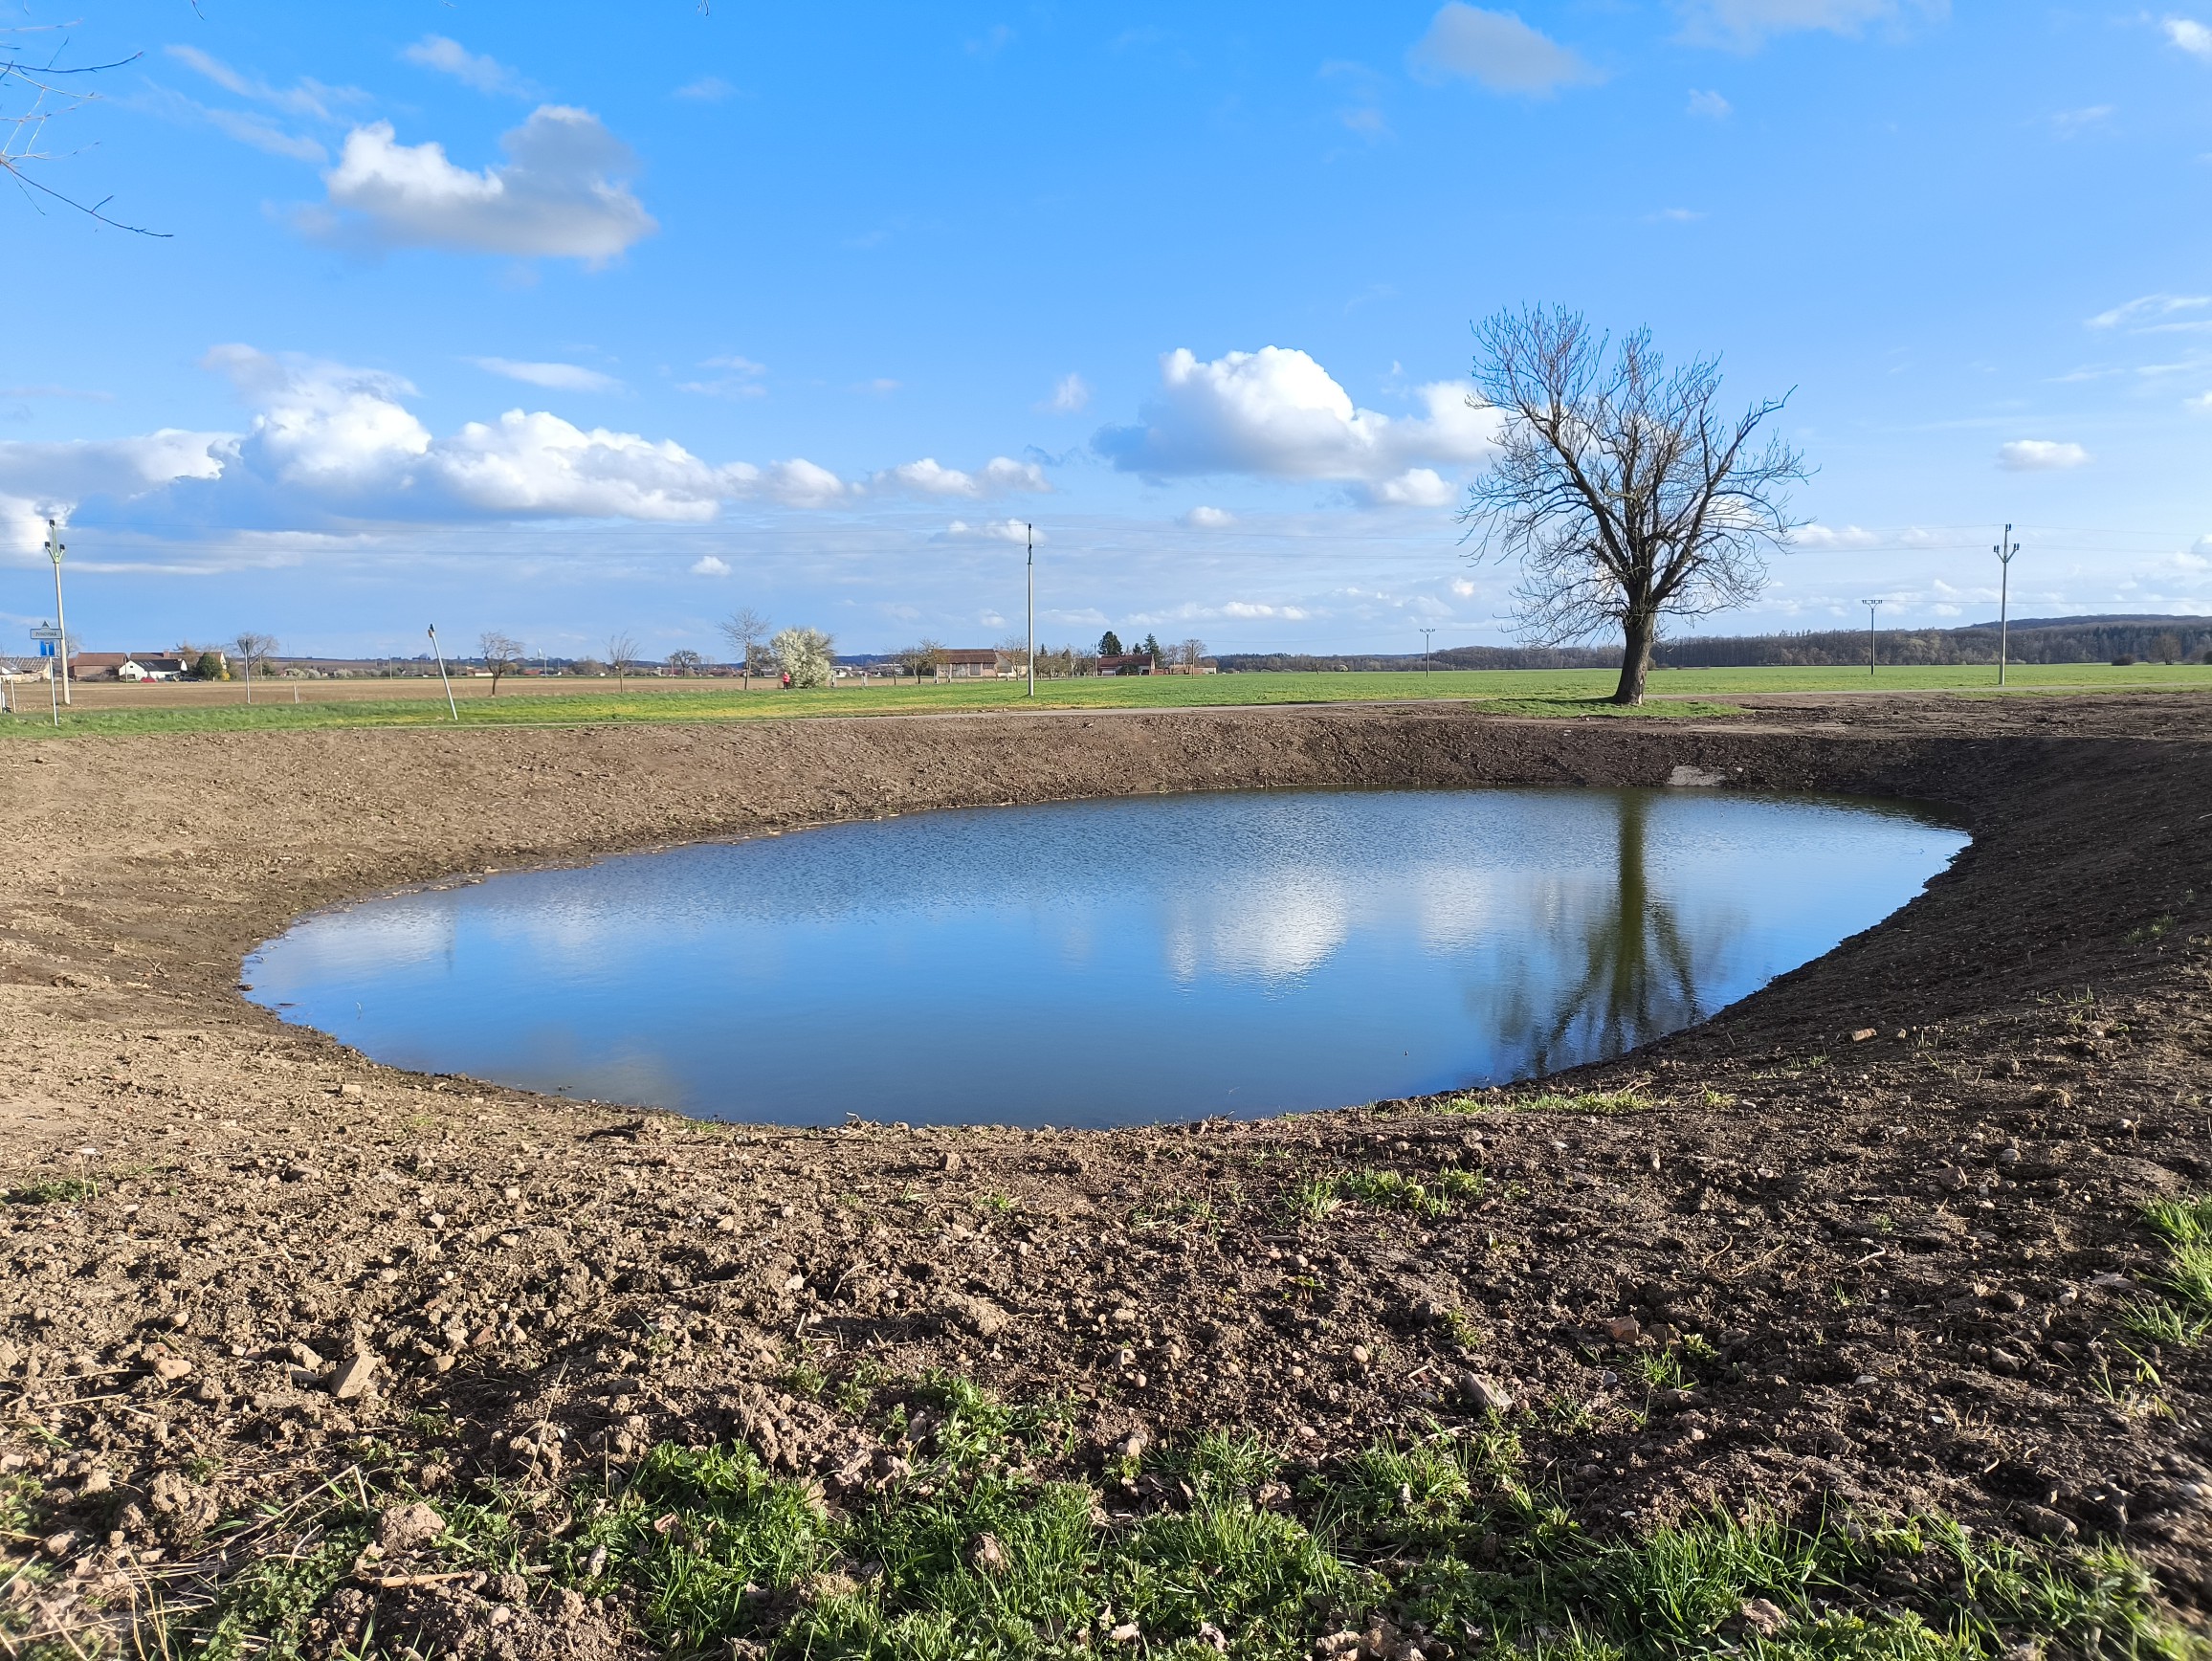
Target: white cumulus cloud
[[794, 483], [449, 56], [1278, 414], [708, 566], [1012, 531], [1208, 519], [2040, 456], [1001, 475], [1711, 105], [1415, 487], [533, 464], [1820, 535], [328, 442], [1747, 23], [38, 481], [2191, 36], [562, 192], [1071, 392], [1496, 48], [558, 377]]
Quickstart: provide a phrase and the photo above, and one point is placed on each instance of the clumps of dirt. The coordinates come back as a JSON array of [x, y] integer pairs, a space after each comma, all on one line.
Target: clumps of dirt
[[476, 1617]]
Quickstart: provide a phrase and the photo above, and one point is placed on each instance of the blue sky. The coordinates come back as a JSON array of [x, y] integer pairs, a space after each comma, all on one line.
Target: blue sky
[[560, 321]]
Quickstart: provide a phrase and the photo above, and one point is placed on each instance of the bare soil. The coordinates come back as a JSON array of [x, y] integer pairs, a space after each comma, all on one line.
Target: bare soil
[[1886, 1212]]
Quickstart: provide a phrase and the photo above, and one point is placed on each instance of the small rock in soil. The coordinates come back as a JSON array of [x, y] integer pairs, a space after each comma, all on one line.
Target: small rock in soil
[[355, 1378]]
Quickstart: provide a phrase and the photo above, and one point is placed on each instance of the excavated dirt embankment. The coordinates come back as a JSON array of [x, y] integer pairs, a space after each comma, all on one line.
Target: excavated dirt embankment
[[1895, 1266]]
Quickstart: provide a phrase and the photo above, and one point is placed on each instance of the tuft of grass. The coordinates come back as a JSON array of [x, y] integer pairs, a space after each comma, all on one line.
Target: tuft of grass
[[2184, 1222], [1389, 1191], [1227, 1463], [1459, 1183], [1663, 1370], [1598, 1101], [1611, 1102], [802, 1378], [53, 1191], [2156, 1319], [2185, 1226]]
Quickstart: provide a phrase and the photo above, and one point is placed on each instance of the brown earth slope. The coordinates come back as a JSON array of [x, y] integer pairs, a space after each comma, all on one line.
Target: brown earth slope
[[1886, 1214]]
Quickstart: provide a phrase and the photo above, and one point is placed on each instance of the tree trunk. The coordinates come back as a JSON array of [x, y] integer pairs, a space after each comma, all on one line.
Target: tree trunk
[[1635, 657]]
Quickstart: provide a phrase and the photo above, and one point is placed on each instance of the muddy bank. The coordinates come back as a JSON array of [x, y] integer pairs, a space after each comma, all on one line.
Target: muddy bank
[[1873, 1235]]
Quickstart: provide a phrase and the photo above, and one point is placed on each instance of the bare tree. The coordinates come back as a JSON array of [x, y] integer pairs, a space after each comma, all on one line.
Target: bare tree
[[621, 656], [253, 648], [686, 662], [924, 657], [37, 89], [1191, 654], [1622, 492], [502, 656], [746, 632]]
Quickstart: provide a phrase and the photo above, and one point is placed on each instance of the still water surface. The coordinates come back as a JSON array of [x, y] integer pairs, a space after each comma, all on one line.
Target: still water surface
[[1102, 962]]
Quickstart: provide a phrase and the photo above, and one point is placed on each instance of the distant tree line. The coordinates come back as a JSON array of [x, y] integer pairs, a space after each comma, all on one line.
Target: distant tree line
[[2034, 640]]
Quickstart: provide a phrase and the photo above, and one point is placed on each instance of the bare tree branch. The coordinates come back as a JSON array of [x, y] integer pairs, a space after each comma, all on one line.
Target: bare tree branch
[[32, 94], [1621, 491]]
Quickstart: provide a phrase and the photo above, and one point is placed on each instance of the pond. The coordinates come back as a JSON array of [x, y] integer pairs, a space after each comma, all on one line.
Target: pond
[[1102, 963]]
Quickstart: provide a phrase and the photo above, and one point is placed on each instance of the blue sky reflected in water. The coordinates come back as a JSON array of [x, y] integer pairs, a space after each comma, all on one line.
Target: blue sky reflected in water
[[1107, 961]]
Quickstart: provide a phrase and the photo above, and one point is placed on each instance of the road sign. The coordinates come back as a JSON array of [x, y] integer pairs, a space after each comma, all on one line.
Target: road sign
[[46, 632], [46, 649]]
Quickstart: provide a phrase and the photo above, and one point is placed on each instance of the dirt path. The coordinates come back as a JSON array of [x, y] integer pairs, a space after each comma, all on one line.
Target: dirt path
[[1774, 1258]]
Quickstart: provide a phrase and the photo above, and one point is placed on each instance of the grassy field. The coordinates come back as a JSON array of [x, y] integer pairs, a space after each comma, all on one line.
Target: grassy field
[[1554, 693]]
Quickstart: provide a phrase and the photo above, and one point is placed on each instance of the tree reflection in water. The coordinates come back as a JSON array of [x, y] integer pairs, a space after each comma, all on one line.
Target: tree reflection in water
[[1624, 969]]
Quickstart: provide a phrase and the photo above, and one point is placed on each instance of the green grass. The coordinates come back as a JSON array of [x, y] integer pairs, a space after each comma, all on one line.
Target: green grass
[[54, 1190], [997, 1546], [1389, 1191], [1552, 692], [1440, 1532], [1603, 1102], [2184, 1316]]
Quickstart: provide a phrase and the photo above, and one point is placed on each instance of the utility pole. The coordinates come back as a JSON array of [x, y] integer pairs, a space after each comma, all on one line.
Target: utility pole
[[2005, 550], [1425, 636], [1030, 542], [54, 551], [1873, 637], [451, 708]]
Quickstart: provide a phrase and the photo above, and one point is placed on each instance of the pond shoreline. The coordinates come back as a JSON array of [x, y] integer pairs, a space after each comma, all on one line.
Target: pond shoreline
[[1896, 1191]]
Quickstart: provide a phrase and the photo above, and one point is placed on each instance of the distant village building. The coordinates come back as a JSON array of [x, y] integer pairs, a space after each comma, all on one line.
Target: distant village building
[[130, 666], [1129, 663], [965, 665]]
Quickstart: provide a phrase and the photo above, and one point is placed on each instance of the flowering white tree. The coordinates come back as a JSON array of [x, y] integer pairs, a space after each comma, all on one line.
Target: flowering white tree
[[804, 655]]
